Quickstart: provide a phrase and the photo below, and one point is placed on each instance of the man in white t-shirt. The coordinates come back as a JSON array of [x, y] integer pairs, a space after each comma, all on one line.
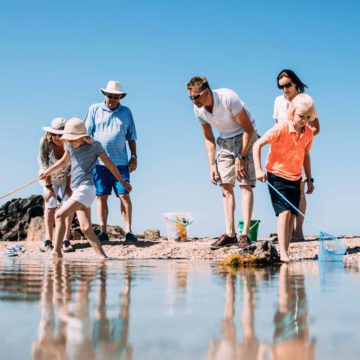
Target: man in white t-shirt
[[223, 110]]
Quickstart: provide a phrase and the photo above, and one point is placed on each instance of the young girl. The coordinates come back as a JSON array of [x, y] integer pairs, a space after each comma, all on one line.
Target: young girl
[[82, 151], [290, 143], [56, 186], [291, 86]]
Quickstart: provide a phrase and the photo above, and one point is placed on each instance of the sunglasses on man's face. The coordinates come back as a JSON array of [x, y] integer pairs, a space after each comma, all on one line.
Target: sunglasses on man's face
[[197, 96], [57, 135], [286, 86], [114, 97]]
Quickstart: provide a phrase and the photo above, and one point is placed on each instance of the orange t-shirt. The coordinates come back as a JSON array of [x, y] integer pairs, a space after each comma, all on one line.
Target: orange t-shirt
[[287, 150]]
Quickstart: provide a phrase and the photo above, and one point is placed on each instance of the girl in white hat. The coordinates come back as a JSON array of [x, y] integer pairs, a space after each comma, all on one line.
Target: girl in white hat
[[57, 186], [82, 151]]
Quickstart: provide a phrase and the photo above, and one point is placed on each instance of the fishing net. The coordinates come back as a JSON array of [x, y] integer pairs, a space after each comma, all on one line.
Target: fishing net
[[330, 248]]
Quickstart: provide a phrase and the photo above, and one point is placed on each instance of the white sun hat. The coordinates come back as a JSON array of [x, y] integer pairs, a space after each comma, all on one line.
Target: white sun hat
[[75, 129], [56, 126], [113, 87]]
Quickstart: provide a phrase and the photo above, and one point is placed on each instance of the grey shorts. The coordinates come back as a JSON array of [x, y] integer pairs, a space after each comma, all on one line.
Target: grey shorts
[[226, 154]]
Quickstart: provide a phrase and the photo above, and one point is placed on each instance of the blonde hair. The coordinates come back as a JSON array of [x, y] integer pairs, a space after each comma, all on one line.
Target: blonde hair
[[302, 102], [47, 138]]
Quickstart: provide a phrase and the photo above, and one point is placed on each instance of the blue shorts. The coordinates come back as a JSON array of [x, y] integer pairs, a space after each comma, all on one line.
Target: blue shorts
[[105, 181]]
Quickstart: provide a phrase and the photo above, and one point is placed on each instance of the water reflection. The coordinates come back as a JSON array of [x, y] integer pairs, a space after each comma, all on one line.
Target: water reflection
[[68, 329], [178, 310], [291, 335]]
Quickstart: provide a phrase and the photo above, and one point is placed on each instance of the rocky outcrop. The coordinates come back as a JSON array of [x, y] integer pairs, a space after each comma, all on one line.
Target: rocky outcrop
[[22, 219], [16, 214], [259, 253]]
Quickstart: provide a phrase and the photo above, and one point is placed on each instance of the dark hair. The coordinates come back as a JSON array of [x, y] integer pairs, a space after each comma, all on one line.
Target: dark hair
[[300, 86], [200, 82]]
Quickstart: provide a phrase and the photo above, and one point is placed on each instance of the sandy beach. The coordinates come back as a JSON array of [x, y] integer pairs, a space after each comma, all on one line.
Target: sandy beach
[[194, 249]]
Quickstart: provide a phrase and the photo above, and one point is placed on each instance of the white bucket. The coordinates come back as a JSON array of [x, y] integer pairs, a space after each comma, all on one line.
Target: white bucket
[[177, 225]]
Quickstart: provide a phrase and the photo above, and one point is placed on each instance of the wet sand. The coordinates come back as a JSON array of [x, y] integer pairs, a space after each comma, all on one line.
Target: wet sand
[[195, 249]]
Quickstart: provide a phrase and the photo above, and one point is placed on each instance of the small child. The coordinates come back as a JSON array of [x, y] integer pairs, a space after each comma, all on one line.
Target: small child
[[82, 151], [290, 143]]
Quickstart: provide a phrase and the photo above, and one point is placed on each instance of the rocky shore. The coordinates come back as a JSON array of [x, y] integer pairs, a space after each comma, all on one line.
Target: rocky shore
[[161, 248], [21, 222]]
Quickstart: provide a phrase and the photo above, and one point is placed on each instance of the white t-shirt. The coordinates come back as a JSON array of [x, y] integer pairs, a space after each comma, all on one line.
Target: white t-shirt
[[227, 104], [281, 108]]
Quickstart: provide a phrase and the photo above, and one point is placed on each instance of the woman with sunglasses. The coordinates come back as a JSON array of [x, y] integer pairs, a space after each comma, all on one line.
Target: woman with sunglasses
[[57, 186], [291, 86]]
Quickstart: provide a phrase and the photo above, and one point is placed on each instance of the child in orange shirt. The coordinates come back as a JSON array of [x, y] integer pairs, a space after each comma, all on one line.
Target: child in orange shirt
[[290, 143]]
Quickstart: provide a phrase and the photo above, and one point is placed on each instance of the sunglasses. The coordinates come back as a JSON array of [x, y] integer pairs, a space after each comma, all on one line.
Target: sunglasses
[[195, 97], [115, 97], [285, 86], [57, 135]]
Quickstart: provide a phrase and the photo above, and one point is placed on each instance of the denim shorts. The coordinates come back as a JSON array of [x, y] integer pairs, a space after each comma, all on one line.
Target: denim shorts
[[226, 154], [291, 191], [105, 181]]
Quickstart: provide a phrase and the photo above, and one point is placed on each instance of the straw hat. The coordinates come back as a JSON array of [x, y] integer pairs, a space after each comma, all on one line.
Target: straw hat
[[113, 87], [56, 126], [75, 129]]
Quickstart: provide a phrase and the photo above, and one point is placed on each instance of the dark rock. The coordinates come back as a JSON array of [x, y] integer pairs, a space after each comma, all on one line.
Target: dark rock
[[17, 215]]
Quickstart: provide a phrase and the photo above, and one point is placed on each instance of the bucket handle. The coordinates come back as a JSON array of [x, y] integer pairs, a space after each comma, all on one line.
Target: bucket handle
[[180, 222], [254, 224]]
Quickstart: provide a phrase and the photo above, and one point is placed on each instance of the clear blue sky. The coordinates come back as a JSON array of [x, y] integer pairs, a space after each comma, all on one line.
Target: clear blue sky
[[55, 56]]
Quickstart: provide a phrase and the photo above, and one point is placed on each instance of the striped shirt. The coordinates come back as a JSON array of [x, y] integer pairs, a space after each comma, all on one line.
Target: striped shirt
[[112, 129], [83, 161]]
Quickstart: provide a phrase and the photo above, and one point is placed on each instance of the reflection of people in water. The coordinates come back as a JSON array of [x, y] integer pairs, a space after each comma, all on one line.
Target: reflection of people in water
[[248, 347], [291, 336], [111, 335], [67, 329], [54, 295]]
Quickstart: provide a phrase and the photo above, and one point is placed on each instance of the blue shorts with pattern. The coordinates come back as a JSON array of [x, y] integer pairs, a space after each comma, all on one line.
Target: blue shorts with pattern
[[105, 181]]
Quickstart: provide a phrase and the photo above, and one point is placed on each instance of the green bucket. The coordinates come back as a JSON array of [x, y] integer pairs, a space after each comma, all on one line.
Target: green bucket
[[253, 230]]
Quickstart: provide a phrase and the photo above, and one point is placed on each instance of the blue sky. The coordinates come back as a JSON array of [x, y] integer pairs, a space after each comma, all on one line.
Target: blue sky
[[56, 56]]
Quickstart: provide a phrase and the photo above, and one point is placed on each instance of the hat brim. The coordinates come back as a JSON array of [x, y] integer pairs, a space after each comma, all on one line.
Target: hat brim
[[88, 139], [104, 92], [52, 131]]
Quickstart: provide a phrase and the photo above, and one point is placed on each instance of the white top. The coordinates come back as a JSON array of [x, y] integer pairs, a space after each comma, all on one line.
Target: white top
[[227, 104], [281, 108]]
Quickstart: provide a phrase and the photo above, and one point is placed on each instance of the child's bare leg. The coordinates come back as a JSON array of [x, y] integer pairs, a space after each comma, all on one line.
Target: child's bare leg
[[298, 232], [68, 222], [84, 217], [290, 231], [283, 233], [68, 209]]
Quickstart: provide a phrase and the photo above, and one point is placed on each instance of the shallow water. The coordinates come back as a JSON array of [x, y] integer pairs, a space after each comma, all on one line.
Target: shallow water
[[177, 310]]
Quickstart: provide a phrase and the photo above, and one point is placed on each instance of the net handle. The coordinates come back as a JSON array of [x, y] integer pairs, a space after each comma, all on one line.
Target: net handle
[[19, 188], [294, 207]]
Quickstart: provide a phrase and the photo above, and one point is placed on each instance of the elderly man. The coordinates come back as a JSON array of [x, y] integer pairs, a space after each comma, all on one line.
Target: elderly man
[[223, 110], [112, 125]]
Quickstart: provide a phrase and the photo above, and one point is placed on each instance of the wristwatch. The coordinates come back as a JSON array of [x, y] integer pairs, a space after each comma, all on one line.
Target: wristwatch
[[133, 156], [309, 180], [48, 186], [241, 157]]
